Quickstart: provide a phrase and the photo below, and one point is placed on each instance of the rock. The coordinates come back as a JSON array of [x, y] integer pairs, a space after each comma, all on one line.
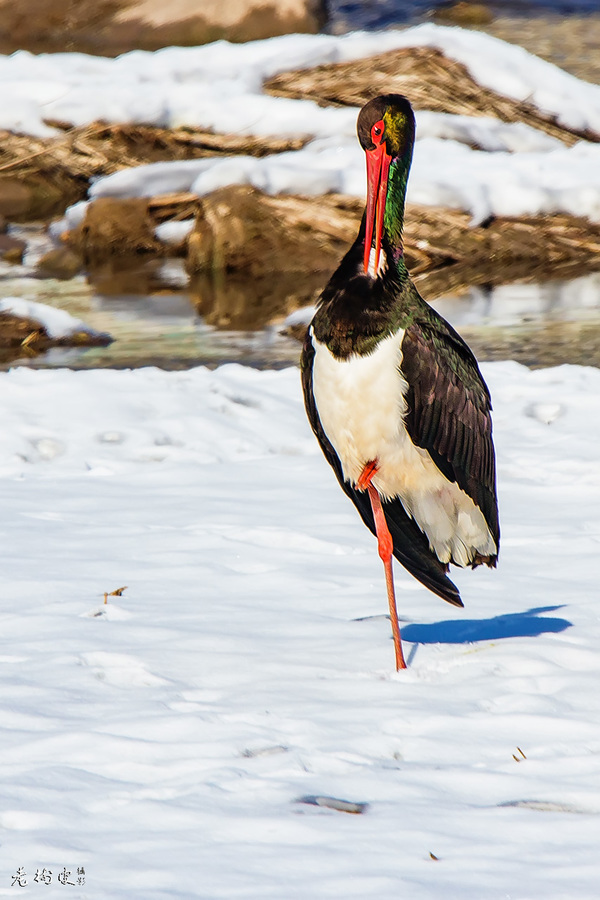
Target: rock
[[114, 227], [255, 258], [12, 249], [30, 198], [61, 262], [239, 229], [110, 27], [464, 13], [20, 336], [23, 336], [15, 197], [152, 23]]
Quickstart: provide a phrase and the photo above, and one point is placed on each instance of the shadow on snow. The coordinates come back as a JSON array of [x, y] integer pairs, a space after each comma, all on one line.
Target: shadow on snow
[[524, 624]]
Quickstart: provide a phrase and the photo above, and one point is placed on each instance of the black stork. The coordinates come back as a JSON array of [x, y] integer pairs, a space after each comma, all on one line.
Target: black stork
[[394, 395]]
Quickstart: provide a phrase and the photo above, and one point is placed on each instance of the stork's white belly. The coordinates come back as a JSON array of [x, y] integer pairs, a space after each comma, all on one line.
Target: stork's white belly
[[361, 402]]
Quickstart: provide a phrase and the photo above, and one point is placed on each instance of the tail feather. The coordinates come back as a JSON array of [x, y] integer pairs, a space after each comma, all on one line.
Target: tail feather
[[411, 547]]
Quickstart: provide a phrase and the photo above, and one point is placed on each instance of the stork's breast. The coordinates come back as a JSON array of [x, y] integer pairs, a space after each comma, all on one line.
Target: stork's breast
[[361, 402]]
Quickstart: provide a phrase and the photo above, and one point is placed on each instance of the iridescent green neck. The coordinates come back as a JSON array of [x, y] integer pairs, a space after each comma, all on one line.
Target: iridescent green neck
[[393, 219]]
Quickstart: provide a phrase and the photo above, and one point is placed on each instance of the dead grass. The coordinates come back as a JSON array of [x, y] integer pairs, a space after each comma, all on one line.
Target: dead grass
[[39, 177]]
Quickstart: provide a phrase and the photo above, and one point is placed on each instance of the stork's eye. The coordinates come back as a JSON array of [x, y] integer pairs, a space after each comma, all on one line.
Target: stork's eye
[[377, 131]]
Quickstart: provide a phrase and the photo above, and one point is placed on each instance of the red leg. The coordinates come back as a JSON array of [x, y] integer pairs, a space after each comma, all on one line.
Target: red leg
[[386, 549]]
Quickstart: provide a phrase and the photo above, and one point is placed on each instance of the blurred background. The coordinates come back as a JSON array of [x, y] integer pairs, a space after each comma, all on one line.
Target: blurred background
[[516, 286]]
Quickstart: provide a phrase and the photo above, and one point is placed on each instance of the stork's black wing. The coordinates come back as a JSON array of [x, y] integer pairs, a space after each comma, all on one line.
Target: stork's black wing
[[411, 547], [449, 413]]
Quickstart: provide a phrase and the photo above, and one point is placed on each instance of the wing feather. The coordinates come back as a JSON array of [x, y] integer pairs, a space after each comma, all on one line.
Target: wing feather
[[449, 411]]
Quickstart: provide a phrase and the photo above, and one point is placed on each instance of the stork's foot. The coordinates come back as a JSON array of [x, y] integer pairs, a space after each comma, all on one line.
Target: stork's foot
[[386, 549], [367, 475]]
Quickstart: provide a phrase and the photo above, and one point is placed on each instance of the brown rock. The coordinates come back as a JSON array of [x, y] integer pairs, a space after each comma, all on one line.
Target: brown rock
[[240, 229], [20, 336], [62, 263], [254, 258], [23, 337], [114, 227], [113, 26], [186, 22], [30, 198], [464, 13], [12, 249], [15, 197]]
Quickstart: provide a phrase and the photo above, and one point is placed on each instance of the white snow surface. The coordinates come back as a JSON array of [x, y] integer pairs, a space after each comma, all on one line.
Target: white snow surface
[[163, 741], [174, 232], [518, 171]]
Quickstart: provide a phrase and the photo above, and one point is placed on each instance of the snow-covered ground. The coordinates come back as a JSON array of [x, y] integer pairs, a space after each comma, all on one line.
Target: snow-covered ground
[[518, 171], [164, 742]]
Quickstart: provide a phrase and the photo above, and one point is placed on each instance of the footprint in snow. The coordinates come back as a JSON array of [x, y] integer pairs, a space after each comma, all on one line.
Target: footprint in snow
[[120, 670], [49, 448]]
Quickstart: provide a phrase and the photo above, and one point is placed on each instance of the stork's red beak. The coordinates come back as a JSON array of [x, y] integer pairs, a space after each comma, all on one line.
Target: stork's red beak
[[378, 167]]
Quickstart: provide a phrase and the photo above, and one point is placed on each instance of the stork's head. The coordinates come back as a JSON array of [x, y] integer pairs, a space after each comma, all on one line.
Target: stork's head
[[386, 131]]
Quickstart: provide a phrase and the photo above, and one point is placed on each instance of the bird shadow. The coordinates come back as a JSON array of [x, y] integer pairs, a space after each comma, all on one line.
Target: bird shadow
[[467, 631]]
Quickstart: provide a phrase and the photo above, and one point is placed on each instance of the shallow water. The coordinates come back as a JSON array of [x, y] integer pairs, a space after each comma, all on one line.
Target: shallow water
[[153, 316]]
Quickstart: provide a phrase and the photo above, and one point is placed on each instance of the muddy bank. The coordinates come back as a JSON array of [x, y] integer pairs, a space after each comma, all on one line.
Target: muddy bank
[[254, 258], [551, 344], [22, 338], [158, 326], [159, 315]]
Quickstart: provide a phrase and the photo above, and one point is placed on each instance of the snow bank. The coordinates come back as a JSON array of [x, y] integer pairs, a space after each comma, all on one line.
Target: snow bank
[[444, 173], [57, 323], [510, 70]]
